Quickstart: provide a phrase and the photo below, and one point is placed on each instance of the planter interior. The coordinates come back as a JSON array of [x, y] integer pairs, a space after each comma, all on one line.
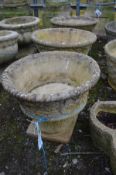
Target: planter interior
[[64, 39], [48, 84], [110, 49], [81, 22], [103, 128]]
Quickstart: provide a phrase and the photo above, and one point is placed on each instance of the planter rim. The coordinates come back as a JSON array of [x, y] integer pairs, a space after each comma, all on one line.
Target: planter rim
[[60, 20], [108, 27], [91, 38], [96, 108], [9, 35], [3, 23], [76, 91], [108, 52]]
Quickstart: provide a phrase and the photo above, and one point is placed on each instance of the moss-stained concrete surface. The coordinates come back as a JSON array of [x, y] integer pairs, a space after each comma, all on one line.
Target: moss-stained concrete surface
[[19, 154]]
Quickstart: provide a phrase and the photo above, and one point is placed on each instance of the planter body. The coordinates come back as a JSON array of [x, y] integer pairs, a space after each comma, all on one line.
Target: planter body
[[110, 50], [8, 45], [14, 3], [24, 25], [81, 22], [64, 39], [103, 136], [61, 108], [111, 30]]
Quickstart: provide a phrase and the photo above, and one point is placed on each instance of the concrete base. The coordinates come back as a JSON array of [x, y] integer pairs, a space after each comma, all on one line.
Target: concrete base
[[57, 137]]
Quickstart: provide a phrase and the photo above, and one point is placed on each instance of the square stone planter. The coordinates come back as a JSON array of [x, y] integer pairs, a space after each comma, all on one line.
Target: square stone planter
[[103, 131]]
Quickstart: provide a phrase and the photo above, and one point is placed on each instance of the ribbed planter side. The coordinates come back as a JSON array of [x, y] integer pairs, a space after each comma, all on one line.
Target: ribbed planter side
[[110, 50], [54, 70], [14, 3], [103, 136], [65, 39], [24, 25], [111, 30], [8, 45], [84, 23]]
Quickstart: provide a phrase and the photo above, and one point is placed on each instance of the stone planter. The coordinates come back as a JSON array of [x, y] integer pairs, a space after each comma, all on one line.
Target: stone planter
[[103, 136], [80, 22], [64, 39], [24, 25], [14, 3], [110, 50], [47, 84], [8, 45], [111, 30]]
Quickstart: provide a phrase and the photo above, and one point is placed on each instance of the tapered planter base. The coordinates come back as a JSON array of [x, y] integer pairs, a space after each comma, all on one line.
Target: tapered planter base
[[62, 137]]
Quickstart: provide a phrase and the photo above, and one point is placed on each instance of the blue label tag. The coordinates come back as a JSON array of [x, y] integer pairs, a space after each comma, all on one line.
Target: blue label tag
[[98, 13]]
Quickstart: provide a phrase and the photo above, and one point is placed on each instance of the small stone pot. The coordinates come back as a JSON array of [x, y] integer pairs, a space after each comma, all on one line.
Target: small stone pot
[[24, 25], [53, 85], [111, 30], [103, 136], [110, 50], [69, 39], [8, 45], [79, 22]]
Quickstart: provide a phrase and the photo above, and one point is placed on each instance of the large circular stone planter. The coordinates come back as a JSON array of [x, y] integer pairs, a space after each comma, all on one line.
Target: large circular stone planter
[[24, 25], [54, 85], [64, 39], [103, 136], [111, 30], [79, 22], [110, 50], [8, 45]]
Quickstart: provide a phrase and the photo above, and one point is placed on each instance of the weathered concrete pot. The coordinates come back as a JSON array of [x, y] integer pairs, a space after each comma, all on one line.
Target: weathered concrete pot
[[103, 136], [79, 22], [111, 30], [64, 39], [14, 3], [24, 25], [110, 50], [8, 45], [54, 85]]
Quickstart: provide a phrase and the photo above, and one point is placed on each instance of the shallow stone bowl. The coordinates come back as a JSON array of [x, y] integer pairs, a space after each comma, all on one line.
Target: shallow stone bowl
[[111, 30], [79, 22], [24, 25], [8, 45], [110, 50], [69, 39]]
